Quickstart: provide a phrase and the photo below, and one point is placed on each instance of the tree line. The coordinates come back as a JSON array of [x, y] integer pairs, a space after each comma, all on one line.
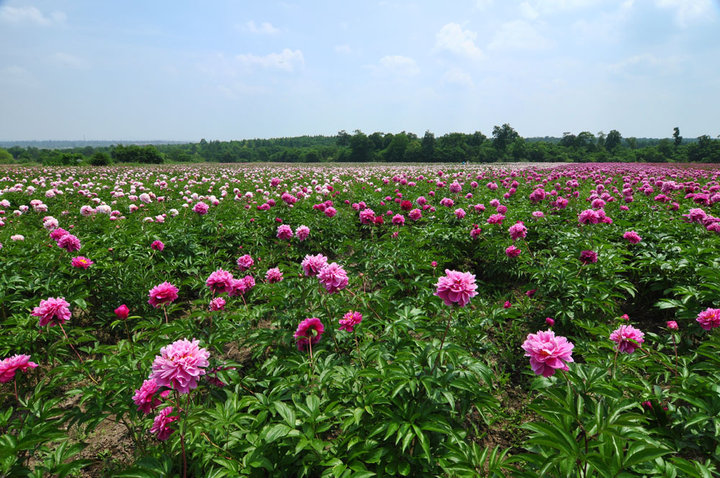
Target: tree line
[[504, 145]]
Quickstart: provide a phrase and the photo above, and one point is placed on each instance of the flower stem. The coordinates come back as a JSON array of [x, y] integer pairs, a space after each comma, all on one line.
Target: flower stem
[[442, 343]]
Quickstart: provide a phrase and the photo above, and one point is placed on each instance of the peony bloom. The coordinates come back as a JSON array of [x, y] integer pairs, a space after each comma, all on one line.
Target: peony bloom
[[302, 233], [456, 287], [273, 275], [69, 242], [220, 281], [333, 277], [81, 262], [350, 320], [588, 257], [157, 246], [709, 318], [52, 311], [218, 303], [179, 365], [309, 332], [507, 304], [549, 321], [628, 338], [245, 262], [284, 232], [517, 231], [672, 325], [367, 216], [201, 208], [512, 251], [145, 398], [56, 234], [161, 424], [398, 220], [547, 353], [17, 237], [312, 265], [122, 312], [632, 237], [415, 215], [10, 365], [460, 213], [162, 294]]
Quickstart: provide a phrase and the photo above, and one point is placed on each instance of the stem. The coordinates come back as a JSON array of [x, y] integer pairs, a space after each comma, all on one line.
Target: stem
[[311, 358], [130, 341], [165, 312], [442, 342], [612, 374], [182, 429], [676, 355], [357, 347], [15, 383], [76, 353]]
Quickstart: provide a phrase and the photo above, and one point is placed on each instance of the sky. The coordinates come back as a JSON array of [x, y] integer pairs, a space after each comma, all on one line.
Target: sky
[[185, 70]]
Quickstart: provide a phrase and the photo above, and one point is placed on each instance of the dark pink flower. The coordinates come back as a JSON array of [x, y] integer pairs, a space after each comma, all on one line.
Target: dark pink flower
[[284, 232], [122, 312], [245, 262], [456, 287], [161, 424], [157, 245], [179, 365], [52, 311], [517, 231], [309, 332], [10, 365], [162, 294], [512, 251], [333, 277], [69, 242], [507, 304], [632, 237], [220, 281], [709, 318], [549, 321], [302, 233], [627, 338], [588, 257], [56, 234], [312, 265], [201, 208], [81, 262], [547, 353], [145, 398], [350, 320], [672, 325], [218, 303], [273, 275]]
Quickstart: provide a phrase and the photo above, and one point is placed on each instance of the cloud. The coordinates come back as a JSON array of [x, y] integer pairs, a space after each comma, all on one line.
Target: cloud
[[688, 11], [17, 76], [68, 60], [518, 35], [286, 60], [265, 28], [399, 65], [528, 12], [461, 42], [29, 15], [483, 4], [344, 49], [457, 76], [648, 65]]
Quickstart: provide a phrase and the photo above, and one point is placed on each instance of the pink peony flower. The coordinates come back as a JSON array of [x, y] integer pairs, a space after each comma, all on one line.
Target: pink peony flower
[[302, 233], [69, 242], [245, 262], [145, 398], [218, 303], [456, 287], [350, 320], [517, 231], [284, 232], [10, 365], [709, 318], [415, 214], [162, 294], [628, 338], [81, 262], [161, 424], [179, 365], [273, 275], [549, 321], [398, 220], [241, 286], [507, 304], [512, 251], [157, 246], [52, 311], [672, 325], [632, 237], [312, 265], [333, 277], [220, 281], [201, 208], [309, 332], [588, 257], [122, 312], [547, 353], [56, 234]]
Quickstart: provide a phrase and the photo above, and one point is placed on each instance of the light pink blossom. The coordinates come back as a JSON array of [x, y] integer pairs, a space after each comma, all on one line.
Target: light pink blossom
[[179, 365], [547, 352], [456, 287]]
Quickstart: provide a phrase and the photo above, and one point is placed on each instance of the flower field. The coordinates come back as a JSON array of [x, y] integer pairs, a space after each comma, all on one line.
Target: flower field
[[360, 321]]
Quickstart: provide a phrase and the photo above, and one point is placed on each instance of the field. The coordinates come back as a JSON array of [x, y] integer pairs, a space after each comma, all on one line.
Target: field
[[332, 321]]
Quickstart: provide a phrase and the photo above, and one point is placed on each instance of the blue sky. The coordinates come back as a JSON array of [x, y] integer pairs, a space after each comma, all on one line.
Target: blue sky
[[186, 70]]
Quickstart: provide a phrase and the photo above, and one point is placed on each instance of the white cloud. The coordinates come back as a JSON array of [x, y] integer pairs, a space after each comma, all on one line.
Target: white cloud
[[17, 76], [518, 35], [458, 77], [483, 4], [286, 60], [688, 11], [528, 12], [68, 60], [265, 28], [24, 15], [648, 65], [399, 65], [344, 49], [461, 42]]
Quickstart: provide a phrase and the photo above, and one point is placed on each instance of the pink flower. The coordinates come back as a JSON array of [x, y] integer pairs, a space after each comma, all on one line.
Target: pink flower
[[350, 320], [672, 325], [220, 281], [549, 321], [201, 208], [309, 332], [589, 216], [456, 287], [507, 304], [179, 365], [530, 292], [330, 211], [415, 214], [122, 312], [333, 277], [517, 231], [496, 219], [81, 262], [709, 318], [56, 234], [460, 213], [218, 303], [398, 219], [367, 216], [312, 265], [162, 294], [69, 242], [10, 365], [157, 246], [145, 398], [632, 237], [588, 257], [302, 233], [245, 262], [161, 424], [241, 286], [628, 338], [284, 232], [547, 353], [273, 275], [512, 251], [52, 311]]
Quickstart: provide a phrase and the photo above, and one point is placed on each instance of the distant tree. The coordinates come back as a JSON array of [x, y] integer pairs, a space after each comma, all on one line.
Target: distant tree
[[359, 147], [613, 140], [343, 138], [6, 157], [677, 139], [100, 158], [395, 151], [631, 142], [138, 154], [427, 147], [503, 136]]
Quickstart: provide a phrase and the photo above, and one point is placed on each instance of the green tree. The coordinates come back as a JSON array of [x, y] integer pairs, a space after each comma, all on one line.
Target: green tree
[[100, 158], [395, 151], [359, 147], [6, 157], [427, 147], [503, 136], [677, 139], [613, 140]]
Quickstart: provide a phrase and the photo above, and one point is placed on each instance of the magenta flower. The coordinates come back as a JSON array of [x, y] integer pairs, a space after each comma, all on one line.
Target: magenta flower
[[162, 294], [220, 281], [632, 237], [179, 365], [350, 320], [145, 398], [218, 303], [517, 231], [456, 287], [273, 275], [709, 318], [157, 246], [367, 216], [241, 286], [10, 365], [512, 251], [627, 338], [547, 353], [549, 321], [122, 312], [161, 424], [333, 277], [588, 257], [81, 262], [69, 242], [284, 232], [672, 325], [309, 332], [245, 262], [507, 304], [201, 208], [415, 214], [312, 265], [56, 234], [398, 220], [302, 233], [52, 311]]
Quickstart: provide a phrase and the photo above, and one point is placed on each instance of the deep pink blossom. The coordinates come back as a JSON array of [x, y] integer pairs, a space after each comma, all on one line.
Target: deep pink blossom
[[547, 352], [201, 208], [56, 234], [672, 325], [588, 257], [312, 265], [350, 320], [284, 232], [273, 275], [218, 303], [220, 281], [122, 312], [627, 338], [309, 332], [512, 251], [161, 424], [52, 311], [157, 246], [302, 233], [69, 242], [709, 318], [517, 231], [10, 365], [145, 398], [245, 262], [81, 262], [456, 287], [179, 365], [333, 277], [632, 237], [162, 294]]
